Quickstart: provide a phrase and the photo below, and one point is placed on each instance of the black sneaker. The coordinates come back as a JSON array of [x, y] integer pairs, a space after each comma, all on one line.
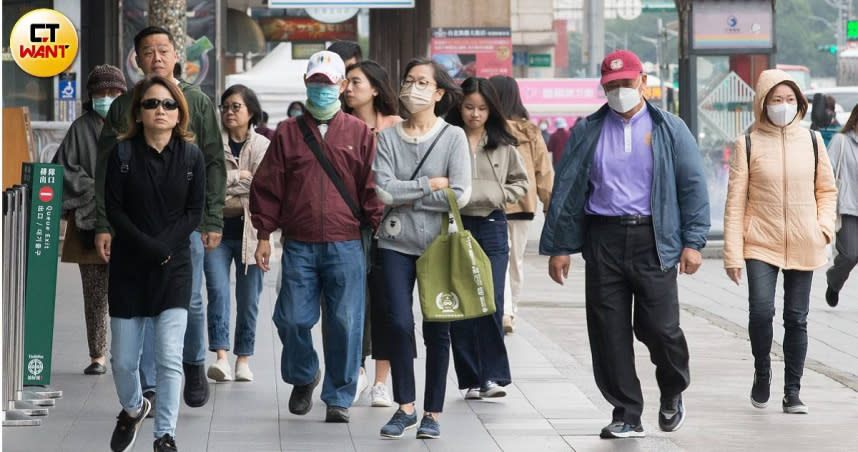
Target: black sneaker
[[619, 429], [150, 395], [165, 443], [761, 389], [671, 414], [337, 415], [301, 400], [398, 424], [196, 385], [793, 405], [429, 428], [832, 297], [126, 428]]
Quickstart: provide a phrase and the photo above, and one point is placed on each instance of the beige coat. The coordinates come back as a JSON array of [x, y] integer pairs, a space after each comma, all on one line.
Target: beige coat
[[537, 161], [498, 178], [777, 215], [251, 156]]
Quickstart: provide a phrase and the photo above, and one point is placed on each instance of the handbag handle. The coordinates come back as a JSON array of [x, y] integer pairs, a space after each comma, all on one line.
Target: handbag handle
[[454, 209]]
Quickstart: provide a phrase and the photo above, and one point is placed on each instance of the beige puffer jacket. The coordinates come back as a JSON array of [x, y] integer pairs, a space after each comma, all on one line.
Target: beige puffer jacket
[[777, 215], [249, 159]]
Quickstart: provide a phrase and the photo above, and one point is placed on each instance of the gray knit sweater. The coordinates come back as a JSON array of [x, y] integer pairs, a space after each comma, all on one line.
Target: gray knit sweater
[[416, 211]]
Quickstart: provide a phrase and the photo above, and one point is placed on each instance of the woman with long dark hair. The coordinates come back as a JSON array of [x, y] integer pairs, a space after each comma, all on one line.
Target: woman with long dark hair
[[540, 173], [154, 195], [243, 152], [370, 98], [415, 208], [499, 178]]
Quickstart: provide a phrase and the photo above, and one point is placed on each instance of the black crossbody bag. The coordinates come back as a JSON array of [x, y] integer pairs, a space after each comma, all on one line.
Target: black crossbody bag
[[366, 231]]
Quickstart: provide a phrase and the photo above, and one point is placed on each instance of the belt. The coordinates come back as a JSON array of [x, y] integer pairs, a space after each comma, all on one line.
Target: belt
[[623, 220]]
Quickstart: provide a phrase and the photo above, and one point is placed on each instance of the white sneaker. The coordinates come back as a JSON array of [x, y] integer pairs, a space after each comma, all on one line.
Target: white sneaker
[[220, 371], [380, 397], [242, 372], [362, 383], [491, 390], [473, 394]]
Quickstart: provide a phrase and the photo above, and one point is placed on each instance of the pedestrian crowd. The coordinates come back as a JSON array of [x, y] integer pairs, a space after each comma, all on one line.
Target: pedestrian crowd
[[366, 185]]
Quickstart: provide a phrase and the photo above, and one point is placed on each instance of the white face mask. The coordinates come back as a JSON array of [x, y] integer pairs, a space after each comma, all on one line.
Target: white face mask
[[782, 114], [623, 100]]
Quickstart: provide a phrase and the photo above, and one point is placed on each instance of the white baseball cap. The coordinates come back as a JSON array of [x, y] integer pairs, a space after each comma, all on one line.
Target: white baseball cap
[[328, 64]]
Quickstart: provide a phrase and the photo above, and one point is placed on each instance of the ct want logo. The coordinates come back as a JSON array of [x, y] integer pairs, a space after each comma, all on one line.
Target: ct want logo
[[44, 42], [35, 366], [447, 302]]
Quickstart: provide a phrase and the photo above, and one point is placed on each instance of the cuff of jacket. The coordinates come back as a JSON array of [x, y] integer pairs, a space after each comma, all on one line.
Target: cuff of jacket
[[262, 235], [424, 184]]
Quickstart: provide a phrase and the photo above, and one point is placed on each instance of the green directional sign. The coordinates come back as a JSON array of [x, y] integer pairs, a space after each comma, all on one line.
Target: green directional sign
[[45, 190], [539, 60]]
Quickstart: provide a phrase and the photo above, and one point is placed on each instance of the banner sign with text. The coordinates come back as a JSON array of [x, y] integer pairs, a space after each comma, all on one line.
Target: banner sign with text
[[473, 52]]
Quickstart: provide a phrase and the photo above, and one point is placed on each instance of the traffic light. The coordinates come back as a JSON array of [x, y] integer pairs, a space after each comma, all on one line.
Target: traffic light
[[832, 49]]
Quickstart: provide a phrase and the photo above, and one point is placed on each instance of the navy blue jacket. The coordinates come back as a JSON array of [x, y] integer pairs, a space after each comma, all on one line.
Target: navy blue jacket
[[679, 202]]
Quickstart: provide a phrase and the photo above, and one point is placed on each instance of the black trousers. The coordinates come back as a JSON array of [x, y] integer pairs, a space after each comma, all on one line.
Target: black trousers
[[627, 292]]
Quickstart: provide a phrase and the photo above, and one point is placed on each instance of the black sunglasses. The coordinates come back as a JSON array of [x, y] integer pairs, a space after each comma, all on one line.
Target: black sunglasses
[[152, 104]]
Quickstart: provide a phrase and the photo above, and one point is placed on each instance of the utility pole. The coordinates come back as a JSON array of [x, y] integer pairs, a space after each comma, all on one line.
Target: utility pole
[[596, 33]]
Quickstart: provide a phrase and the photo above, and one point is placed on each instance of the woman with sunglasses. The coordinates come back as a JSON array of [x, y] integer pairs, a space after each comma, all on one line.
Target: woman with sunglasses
[[154, 195], [499, 178], [369, 97], [243, 152], [415, 208]]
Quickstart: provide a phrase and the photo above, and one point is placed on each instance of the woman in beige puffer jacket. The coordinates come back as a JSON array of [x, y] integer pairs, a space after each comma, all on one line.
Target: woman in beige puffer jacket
[[779, 216]]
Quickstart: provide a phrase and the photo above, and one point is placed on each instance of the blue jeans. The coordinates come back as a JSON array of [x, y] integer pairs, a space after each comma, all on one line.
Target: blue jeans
[[126, 346], [247, 289], [195, 346], [309, 270], [479, 353], [762, 279], [399, 272]]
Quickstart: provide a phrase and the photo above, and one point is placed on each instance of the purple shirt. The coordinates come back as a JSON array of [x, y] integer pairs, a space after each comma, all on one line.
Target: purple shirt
[[621, 174]]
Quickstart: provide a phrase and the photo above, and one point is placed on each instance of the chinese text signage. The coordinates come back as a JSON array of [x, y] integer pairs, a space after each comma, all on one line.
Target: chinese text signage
[[473, 52]]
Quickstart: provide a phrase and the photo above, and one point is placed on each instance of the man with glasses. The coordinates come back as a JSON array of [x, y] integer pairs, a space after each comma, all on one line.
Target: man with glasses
[[156, 55], [321, 215]]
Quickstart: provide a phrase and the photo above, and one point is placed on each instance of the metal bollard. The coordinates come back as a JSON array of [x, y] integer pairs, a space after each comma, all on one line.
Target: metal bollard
[[15, 412]]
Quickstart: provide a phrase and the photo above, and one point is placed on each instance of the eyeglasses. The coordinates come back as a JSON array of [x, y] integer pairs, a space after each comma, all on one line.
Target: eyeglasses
[[234, 107], [152, 104], [421, 84]]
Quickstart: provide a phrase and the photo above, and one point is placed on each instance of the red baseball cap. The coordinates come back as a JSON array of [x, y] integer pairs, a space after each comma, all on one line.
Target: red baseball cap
[[620, 65]]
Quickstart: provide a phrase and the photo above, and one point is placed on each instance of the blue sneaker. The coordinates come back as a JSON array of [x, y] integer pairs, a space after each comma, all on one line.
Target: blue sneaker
[[398, 424], [429, 428]]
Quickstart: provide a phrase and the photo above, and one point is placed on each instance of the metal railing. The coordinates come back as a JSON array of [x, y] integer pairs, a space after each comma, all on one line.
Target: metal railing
[[20, 408]]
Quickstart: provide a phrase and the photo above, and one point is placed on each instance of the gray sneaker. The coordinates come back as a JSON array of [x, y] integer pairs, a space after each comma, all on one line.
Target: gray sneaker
[[619, 429]]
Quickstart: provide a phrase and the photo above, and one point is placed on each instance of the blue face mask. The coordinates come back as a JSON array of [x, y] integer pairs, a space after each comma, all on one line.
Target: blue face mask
[[323, 95], [101, 105], [294, 113]]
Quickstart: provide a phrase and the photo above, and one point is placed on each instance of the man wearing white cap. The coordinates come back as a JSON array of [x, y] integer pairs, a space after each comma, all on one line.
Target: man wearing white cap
[[316, 184]]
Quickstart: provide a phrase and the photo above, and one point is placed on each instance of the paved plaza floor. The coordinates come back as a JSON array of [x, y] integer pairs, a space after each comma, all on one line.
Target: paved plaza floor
[[553, 403]]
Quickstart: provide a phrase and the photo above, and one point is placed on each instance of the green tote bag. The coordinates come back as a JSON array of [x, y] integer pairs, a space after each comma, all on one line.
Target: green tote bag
[[454, 275]]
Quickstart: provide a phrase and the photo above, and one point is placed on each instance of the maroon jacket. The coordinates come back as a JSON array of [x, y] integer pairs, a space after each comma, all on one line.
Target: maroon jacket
[[291, 191], [557, 143]]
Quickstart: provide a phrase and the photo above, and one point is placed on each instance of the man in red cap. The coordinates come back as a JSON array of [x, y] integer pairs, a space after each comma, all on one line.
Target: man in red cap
[[630, 195]]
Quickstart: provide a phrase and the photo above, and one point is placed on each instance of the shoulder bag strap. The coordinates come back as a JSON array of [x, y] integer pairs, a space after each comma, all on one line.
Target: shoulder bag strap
[[454, 210], [310, 139], [815, 156]]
